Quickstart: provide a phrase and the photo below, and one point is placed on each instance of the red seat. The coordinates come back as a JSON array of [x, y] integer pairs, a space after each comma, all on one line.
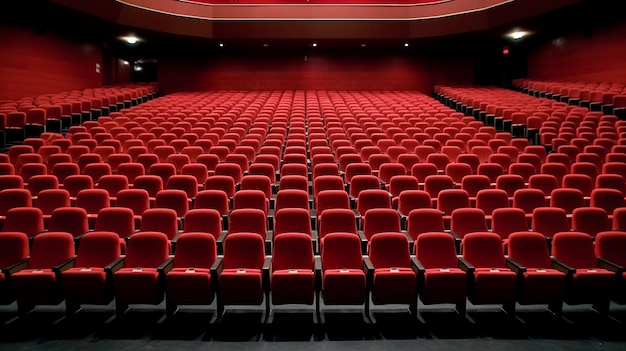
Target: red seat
[[573, 254], [240, 272], [491, 282], [90, 281], [189, 282], [141, 280]]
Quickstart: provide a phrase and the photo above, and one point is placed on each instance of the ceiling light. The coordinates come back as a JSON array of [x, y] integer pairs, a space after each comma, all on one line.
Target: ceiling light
[[130, 39], [406, 45], [518, 34], [363, 45], [221, 45], [125, 63], [314, 45], [265, 45]]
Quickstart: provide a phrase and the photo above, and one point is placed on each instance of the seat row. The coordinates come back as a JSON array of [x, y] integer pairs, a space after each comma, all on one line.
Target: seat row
[[51, 271]]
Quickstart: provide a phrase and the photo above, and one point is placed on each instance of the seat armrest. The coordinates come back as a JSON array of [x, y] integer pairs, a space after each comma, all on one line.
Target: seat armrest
[[363, 242], [114, 266], [515, 266], [64, 266], [561, 266], [220, 242], [417, 266], [166, 266], [611, 266], [266, 272], [466, 266], [368, 268], [216, 269], [16, 267], [457, 241], [318, 273]]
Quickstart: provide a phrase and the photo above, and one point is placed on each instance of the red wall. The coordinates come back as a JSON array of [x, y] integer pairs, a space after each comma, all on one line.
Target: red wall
[[32, 64], [599, 57], [332, 71]]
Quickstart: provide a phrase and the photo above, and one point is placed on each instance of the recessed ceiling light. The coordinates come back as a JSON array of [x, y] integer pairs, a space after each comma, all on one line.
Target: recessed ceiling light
[[518, 34], [125, 63], [221, 45], [265, 45], [406, 45], [314, 45], [363, 45], [130, 39]]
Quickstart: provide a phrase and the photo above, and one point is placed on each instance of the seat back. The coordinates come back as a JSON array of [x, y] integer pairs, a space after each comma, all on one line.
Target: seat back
[[292, 251], [611, 245], [436, 250], [575, 249], [13, 248], [483, 250], [196, 250], [244, 250], [341, 251], [50, 249], [389, 249], [147, 249], [98, 249], [529, 249]]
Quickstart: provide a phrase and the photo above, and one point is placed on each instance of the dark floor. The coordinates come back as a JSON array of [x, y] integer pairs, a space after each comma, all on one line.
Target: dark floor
[[288, 328]]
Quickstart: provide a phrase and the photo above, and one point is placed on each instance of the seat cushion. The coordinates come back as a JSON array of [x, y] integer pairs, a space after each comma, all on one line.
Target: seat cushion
[[293, 286], [36, 285], [493, 286], [590, 285], [85, 285], [444, 285], [189, 286], [137, 285], [343, 287], [542, 286], [241, 287], [394, 285]]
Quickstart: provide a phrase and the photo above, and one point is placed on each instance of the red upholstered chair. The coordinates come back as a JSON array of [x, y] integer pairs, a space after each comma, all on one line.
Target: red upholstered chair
[[189, 282], [39, 283], [490, 199], [292, 270], [71, 220], [610, 248], [342, 270], [162, 220], [490, 280], [538, 281], [90, 281], [573, 254], [14, 250], [27, 220], [380, 220], [141, 280], [590, 220], [607, 199], [203, 220], [392, 274], [508, 220], [467, 220], [119, 220], [549, 221], [176, 200], [337, 220], [240, 272], [92, 201], [440, 279], [398, 184], [449, 200]]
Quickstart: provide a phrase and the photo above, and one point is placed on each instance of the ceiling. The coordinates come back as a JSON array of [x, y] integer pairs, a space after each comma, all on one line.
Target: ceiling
[[108, 20]]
